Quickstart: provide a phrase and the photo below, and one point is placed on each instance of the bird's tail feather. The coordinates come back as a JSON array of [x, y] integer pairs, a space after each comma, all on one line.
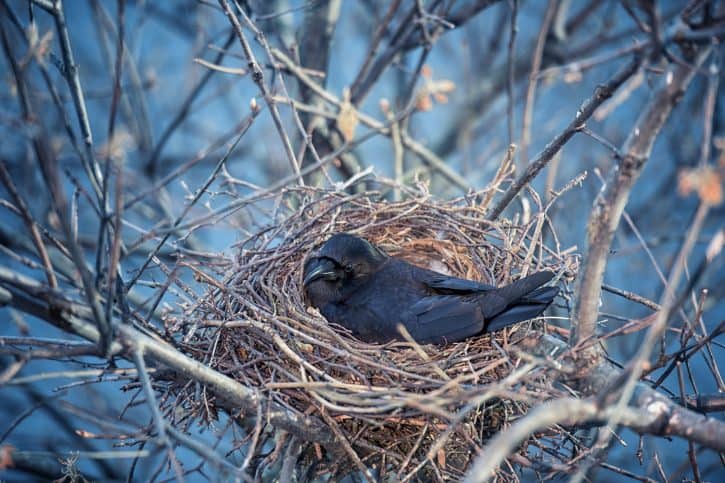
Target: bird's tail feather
[[517, 313], [543, 295], [526, 299], [524, 287]]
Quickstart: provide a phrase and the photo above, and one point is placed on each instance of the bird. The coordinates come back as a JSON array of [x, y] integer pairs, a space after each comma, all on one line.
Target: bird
[[357, 285]]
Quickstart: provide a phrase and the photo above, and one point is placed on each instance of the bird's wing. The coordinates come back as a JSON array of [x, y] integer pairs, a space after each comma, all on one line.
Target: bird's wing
[[439, 319], [452, 285]]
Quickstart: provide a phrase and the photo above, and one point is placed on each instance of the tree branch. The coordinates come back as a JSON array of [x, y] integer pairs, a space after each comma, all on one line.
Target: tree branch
[[609, 205], [34, 298], [649, 412], [601, 94]]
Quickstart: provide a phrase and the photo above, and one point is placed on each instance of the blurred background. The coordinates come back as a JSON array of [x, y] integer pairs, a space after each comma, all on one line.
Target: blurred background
[[414, 91]]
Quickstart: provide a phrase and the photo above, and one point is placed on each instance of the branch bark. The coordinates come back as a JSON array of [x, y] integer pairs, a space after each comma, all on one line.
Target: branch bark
[[601, 94], [32, 297], [648, 412], [315, 42], [609, 205], [258, 77]]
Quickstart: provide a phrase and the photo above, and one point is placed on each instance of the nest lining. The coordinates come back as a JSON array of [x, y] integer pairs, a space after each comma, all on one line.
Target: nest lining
[[403, 407]]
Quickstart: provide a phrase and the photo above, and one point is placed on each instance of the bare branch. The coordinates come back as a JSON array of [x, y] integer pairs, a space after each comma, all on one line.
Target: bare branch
[[258, 77], [601, 94], [649, 412], [609, 205]]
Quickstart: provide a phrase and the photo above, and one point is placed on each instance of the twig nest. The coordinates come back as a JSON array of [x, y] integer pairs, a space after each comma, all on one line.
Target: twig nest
[[402, 407]]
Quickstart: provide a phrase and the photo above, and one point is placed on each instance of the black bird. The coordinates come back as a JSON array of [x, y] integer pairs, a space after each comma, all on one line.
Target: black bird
[[358, 286]]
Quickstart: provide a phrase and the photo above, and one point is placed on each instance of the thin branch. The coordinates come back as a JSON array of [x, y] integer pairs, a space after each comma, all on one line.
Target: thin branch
[[158, 419], [258, 77], [425, 154], [184, 108], [510, 121], [51, 176], [32, 297], [30, 224], [610, 203], [70, 71], [199, 193], [631, 296], [533, 80], [648, 412], [601, 94]]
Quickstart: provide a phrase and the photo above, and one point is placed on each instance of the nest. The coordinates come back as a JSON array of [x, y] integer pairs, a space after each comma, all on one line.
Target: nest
[[404, 410]]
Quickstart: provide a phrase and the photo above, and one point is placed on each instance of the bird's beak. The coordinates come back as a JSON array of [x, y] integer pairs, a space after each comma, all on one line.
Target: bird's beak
[[320, 268]]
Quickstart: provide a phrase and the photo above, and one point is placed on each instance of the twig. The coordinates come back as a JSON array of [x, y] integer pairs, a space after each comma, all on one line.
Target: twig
[[601, 94], [510, 70], [637, 366], [159, 422], [70, 72], [423, 152], [258, 77], [199, 193], [184, 108], [631, 296], [568, 412], [533, 77], [609, 205], [374, 43], [648, 412], [30, 224], [207, 453], [690, 445], [705, 403], [48, 167]]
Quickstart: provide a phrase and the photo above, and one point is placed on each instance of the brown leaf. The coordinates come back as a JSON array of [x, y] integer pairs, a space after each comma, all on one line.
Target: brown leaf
[[440, 98], [441, 457], [347, 119], [432, 90], [423, 103], [711, 189], [705, 181], [6, 457]]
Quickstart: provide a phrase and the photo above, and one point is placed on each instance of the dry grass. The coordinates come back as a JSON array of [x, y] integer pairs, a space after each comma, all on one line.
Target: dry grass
[[406, 410]]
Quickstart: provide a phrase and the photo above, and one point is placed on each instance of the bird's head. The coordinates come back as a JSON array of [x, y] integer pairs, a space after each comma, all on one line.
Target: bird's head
[[342, 258]]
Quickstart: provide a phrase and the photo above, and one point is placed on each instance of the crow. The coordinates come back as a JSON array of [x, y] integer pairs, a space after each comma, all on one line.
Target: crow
[[355, 284]]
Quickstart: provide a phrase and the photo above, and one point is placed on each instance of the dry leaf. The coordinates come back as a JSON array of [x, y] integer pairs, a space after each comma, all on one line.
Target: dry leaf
[[432, 90], [347, 119], [442, 458], [6, 457], [121, 143], [711, 189], [705, 181], [423, 102]]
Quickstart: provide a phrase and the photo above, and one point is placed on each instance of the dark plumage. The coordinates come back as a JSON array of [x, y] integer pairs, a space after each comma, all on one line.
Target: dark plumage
[[358, 286]]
